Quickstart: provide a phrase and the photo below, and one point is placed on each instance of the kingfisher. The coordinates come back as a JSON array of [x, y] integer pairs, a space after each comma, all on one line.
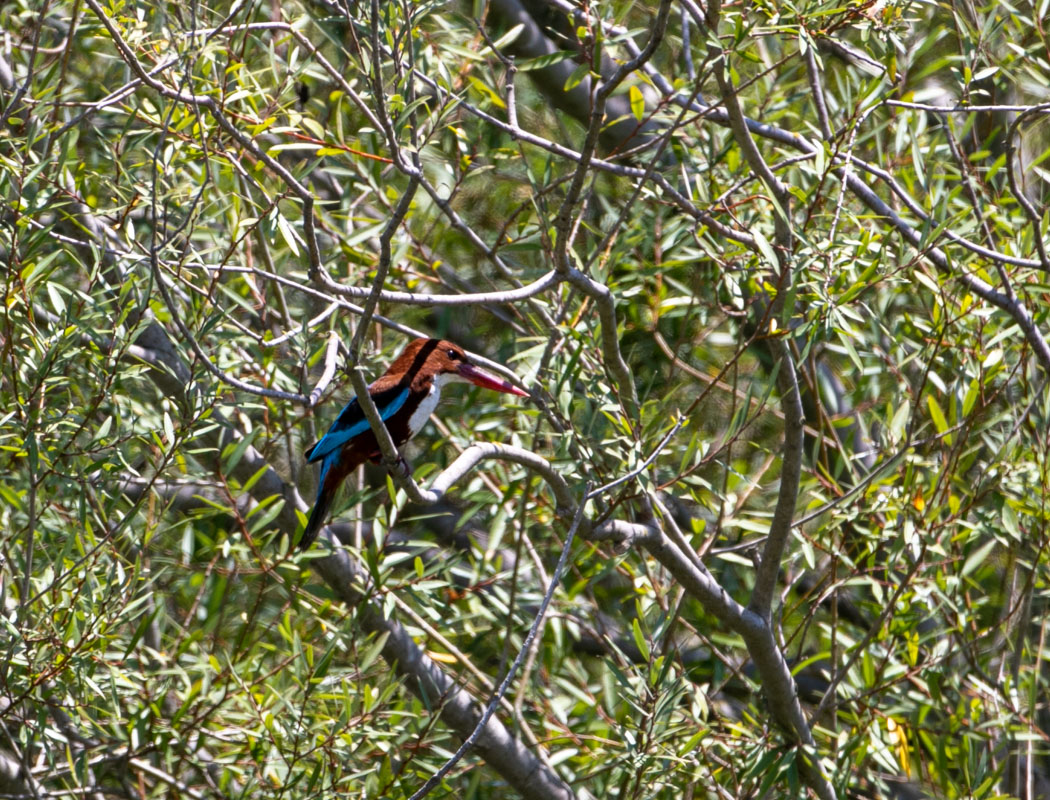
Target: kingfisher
[[405, 397]]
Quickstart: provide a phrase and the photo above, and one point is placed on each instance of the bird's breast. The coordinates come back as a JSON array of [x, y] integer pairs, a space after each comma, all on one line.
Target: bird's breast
[[426, 407]]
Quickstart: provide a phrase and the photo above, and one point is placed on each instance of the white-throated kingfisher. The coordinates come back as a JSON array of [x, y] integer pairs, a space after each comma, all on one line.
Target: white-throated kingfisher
[[405, 397]]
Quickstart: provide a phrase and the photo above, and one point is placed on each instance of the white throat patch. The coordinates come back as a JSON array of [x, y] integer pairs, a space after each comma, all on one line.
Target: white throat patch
[[429, 403]]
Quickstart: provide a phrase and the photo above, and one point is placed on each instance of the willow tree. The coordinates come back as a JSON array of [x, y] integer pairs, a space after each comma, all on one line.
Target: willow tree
[[773, 518]]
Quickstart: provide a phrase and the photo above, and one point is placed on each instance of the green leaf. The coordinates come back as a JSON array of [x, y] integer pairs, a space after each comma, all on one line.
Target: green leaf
[[577, 76], [508, 38], [541, 62], [940, 422], [977, 557], [236, 451], [765, 248], [637, 103], [373, 651], [56, 299], [264, 520], [639, 638], [288, 234], [169, 429], [970, 399], [900, 419]]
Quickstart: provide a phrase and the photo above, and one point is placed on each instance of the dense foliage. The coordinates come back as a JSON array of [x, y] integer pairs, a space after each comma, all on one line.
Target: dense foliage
[[775, 276]]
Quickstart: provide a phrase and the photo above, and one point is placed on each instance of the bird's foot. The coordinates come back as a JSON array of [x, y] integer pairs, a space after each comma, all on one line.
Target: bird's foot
[[402, 467]]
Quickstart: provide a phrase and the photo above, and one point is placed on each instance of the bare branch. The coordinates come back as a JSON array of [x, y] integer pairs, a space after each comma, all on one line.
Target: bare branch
[[331, 354], [790, 478], [816, 86]]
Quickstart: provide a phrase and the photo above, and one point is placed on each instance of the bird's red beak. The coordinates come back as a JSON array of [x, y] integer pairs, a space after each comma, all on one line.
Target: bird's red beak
[[487, 380]]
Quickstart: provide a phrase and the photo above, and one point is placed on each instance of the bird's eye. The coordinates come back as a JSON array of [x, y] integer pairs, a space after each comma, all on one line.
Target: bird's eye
[[452, 354]]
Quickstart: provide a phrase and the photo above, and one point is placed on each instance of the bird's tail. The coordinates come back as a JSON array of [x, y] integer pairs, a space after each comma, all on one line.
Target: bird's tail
[[325, 495], [317, 518]]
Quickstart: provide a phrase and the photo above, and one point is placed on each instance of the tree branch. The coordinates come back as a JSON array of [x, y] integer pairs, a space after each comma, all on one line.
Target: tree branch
[[790, 479]]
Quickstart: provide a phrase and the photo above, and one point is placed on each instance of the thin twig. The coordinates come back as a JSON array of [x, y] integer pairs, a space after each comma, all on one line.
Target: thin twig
[[490, 709]]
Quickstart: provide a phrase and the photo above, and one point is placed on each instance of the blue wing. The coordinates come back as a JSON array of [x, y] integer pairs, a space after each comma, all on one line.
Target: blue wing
[[352, 422]]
